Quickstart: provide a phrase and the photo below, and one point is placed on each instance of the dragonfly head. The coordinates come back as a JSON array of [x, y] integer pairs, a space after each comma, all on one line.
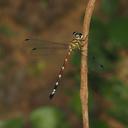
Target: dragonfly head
[[78, 35]]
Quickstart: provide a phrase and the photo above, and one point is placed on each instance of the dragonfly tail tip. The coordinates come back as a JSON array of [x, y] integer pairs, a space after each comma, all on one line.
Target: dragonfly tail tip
[[51, 96]]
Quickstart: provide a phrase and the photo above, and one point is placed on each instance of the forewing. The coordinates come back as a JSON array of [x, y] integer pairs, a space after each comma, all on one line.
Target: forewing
[[45, 58], [43, 47]]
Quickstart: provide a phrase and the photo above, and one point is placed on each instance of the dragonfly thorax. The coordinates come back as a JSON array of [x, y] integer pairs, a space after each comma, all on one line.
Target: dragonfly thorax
[[76, 43]]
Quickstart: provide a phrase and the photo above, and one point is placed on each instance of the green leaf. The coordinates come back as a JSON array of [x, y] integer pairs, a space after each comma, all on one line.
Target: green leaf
[[47, 117]]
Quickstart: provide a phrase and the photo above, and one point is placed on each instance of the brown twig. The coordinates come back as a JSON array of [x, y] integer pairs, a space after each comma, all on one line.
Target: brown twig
[[84, 69]]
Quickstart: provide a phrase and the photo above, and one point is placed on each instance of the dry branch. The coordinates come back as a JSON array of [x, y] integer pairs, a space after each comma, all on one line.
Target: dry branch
[[84, 70]]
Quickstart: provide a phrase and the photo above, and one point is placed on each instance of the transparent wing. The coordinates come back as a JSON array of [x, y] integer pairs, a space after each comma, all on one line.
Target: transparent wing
[[43, 47], [47, 64], [94, 64]]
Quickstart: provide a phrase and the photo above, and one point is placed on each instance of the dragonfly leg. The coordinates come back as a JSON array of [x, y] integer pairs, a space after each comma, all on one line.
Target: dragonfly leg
[[84, 40]]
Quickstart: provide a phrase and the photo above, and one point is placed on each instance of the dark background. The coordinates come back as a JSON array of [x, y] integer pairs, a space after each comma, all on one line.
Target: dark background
[[24, 99]]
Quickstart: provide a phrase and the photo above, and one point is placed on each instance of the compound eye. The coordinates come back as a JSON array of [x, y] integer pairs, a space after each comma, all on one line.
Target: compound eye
[[74, 33], [81, 36]]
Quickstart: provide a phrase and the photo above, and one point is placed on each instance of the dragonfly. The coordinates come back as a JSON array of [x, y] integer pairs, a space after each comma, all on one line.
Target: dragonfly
[[47, 47]]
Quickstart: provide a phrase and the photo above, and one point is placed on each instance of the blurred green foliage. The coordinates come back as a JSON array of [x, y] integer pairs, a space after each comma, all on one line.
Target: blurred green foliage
[[110, 7], [117, 31], [118, 98], [6, 31], [48, 117], [75, 103], [35, 69], [96, 123], [12, 123]]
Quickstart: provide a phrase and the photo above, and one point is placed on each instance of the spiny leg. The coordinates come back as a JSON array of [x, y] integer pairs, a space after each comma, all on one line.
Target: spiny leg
[[60, 74]]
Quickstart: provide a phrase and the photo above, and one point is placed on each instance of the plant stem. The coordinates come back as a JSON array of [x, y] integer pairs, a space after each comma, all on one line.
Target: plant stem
[[84, 67]]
